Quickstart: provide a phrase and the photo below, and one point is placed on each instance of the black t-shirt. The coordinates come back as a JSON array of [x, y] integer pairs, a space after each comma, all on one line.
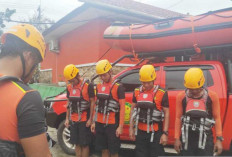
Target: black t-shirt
[[164, 102], [30, 113], [90, 91], [121, 92]]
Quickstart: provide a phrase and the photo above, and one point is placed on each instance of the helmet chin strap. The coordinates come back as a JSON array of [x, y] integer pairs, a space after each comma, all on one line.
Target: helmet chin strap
[[24, 75], [23, 64]]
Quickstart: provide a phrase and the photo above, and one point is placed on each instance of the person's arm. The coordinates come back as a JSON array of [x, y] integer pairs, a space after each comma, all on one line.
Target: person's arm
[[121, 97], [31, 125], [122, 112], [217, 117], [36, 146], [66, 123], [165, 107], [166, 118], [216, 113], [92, 100], [179, 113]]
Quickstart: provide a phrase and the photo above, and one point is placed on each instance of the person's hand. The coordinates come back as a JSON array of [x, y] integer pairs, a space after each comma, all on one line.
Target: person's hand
[[119, 131], [93, 128], [218, 147], [164, 139], [132, 133], [66, 123], [178, 145], [88, 123]]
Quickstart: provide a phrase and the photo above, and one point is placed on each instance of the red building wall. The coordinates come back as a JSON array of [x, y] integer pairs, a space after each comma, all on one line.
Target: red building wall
[[81, 46]]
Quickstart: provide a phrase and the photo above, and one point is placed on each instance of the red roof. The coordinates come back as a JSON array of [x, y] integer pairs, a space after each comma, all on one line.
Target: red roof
[[139, 7]]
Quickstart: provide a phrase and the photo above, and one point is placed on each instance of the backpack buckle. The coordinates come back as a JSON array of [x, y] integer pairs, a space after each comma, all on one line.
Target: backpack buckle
[[194, 127]]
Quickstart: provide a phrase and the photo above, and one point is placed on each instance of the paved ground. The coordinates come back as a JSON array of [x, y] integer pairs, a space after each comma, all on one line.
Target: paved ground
[[58, 152]]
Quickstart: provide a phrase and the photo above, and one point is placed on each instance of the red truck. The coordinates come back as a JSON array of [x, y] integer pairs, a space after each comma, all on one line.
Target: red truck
[[217, 68]]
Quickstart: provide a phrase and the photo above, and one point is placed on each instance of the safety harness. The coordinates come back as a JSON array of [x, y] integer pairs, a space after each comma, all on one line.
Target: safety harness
[[77, 103], [196, 117], [146, 111], [105, 102]]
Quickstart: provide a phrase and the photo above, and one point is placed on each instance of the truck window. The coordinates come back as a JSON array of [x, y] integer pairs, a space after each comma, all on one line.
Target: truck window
[[175, 79], [131, 81]]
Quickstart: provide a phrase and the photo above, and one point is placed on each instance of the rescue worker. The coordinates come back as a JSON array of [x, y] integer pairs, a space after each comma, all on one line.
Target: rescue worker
[[81, 99], [197, 110], [150, 102], [109, 111], [22, 130]]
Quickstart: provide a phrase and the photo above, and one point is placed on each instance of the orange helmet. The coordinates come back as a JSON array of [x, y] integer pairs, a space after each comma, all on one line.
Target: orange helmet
[[28, 34]]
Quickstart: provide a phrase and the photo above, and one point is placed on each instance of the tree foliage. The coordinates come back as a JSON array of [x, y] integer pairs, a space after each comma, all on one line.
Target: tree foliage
[[5, 17], [40, 21]]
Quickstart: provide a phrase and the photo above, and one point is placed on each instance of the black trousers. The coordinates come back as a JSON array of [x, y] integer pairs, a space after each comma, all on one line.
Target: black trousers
[[193, 149], [145, 148]]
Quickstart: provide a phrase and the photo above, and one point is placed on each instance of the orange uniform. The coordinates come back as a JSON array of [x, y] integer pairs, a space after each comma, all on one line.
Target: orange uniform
[[87, 92]]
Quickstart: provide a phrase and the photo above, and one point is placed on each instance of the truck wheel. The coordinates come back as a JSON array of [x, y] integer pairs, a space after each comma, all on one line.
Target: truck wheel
[[63, 137]]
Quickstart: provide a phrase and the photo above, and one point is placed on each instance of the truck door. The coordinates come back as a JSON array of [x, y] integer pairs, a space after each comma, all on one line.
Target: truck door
[[173, 79]]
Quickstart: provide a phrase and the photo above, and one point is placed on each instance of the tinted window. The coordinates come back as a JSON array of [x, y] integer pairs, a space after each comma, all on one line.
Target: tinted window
[[131, 81], [175, 79]]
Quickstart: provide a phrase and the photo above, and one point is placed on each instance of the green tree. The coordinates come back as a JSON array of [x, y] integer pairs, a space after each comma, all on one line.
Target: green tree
[[5, 17]]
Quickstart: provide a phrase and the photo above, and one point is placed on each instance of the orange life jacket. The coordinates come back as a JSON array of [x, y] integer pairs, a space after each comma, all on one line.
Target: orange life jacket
[[148, 108], [79, 101], [107, 104], [196, 107]]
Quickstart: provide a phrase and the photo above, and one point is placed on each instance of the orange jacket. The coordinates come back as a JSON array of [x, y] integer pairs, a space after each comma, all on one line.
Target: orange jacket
[[112, 115], [85, 95], [157, 99]]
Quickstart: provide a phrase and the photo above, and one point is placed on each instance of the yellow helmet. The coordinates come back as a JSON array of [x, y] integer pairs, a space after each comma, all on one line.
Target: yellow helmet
[[28, 34], [147, 73], [194, 78], [103, 66], [70, 72]]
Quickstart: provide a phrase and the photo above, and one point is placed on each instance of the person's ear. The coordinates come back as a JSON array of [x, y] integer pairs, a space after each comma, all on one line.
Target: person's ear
[[27, 55]]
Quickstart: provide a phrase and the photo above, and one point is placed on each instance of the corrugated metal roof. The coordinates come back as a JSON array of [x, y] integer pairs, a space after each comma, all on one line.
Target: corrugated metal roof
[[46, 90], [140, 7]]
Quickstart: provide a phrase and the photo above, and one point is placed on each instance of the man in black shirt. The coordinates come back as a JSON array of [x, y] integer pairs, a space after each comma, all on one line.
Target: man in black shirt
[[22, 114]]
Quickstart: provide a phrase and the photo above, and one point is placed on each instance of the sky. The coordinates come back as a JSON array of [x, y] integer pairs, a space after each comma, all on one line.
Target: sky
[[56, 9]]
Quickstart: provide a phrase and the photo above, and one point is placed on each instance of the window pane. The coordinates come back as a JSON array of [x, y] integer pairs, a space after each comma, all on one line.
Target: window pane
[[175, 79], [131, 81]]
